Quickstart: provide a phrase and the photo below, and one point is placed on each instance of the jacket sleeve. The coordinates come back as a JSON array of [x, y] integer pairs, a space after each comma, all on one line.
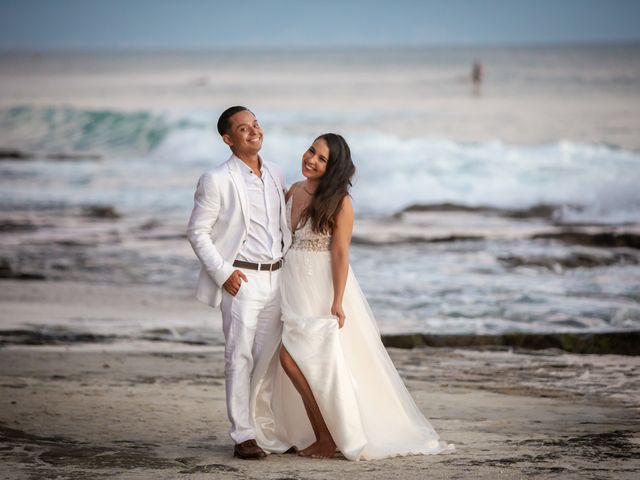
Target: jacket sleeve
[[206, 207]]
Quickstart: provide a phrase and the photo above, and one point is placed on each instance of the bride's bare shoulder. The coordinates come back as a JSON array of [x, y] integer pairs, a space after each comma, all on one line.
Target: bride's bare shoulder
[[291, 190]]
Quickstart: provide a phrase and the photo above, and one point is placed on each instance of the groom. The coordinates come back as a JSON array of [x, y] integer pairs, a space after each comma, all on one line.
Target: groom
[[239, 232]]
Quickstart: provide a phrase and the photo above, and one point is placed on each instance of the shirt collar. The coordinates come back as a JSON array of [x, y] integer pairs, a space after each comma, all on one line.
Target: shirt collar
[[246, 168]]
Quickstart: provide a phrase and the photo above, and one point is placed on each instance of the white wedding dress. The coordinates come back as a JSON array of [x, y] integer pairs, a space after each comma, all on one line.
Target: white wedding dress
[[363, 400]]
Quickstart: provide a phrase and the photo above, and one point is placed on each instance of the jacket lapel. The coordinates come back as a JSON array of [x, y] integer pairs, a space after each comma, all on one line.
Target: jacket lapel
[[238, 182], [284, 224], [279, 187]]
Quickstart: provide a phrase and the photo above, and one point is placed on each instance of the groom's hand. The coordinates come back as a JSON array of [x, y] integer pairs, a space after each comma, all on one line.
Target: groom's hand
[[233, 283]]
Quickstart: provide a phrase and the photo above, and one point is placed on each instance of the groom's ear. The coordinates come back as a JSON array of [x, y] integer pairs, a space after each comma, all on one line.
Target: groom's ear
[[227, 139]]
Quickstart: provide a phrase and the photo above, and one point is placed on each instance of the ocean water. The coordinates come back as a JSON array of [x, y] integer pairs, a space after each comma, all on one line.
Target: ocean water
[[554, 129], [152, 160]]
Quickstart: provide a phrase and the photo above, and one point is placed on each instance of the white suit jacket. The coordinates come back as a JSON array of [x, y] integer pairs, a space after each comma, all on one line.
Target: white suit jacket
[[219, 225]]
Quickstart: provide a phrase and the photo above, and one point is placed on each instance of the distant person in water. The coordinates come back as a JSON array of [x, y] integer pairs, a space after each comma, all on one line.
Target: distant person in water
[[476, 77]]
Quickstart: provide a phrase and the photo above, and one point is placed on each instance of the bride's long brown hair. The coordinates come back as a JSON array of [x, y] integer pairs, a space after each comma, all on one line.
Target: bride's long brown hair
[[333, 187]]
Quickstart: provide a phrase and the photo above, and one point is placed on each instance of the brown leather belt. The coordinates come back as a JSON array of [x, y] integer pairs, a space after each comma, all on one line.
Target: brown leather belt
[[269, 267]]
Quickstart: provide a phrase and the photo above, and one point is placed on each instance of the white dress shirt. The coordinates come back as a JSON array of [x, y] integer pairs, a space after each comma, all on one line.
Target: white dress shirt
[[264, 238]]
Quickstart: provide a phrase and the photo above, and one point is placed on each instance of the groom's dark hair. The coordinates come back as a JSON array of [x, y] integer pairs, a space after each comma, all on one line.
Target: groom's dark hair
[[224, 122]]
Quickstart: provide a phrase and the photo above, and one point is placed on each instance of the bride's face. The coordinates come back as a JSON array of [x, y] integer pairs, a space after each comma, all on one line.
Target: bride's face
[[315, 160]]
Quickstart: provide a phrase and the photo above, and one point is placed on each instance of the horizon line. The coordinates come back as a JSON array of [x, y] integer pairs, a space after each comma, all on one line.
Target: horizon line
[[273, 48]]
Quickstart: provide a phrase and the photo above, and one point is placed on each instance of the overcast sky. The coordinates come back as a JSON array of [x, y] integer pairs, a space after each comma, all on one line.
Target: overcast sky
[[184, 24]]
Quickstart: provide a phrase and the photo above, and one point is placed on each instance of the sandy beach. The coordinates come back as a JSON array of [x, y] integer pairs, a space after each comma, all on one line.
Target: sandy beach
[[155, 409]]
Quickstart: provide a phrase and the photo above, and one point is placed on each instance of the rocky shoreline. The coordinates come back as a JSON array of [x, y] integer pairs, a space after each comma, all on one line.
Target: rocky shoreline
[[617, 343], [604, 343]]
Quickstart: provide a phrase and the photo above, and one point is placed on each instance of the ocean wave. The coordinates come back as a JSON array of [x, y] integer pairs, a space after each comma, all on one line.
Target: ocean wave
[[69, 130], [590, 182], [581, 183]]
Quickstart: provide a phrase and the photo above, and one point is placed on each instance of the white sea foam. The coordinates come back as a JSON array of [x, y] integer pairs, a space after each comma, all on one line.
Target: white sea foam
[[159, 156], [593, 182]]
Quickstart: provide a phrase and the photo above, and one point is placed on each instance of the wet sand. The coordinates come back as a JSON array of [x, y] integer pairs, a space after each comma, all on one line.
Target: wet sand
[[155, 409]]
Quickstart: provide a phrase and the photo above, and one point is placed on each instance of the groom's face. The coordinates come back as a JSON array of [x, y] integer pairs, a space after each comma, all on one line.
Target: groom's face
[[245, 135]]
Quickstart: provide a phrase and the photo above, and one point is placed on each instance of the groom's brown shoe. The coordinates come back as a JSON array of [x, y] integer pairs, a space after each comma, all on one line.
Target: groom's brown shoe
[[248, 450]]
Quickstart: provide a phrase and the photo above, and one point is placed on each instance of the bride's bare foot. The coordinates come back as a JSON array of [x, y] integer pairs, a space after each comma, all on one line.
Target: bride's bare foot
[[319, 449]]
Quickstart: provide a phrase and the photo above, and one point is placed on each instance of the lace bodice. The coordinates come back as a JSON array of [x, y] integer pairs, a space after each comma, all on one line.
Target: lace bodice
[[304, 238]]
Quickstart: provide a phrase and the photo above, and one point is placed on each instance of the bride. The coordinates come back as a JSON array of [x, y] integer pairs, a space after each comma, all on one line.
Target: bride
[[331, 385]]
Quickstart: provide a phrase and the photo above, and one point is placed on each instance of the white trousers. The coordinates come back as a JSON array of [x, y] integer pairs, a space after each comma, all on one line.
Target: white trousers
[[252, 328]]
